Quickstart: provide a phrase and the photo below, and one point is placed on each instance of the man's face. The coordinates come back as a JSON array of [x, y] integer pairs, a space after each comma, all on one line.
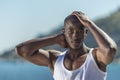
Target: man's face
[[74, 34]]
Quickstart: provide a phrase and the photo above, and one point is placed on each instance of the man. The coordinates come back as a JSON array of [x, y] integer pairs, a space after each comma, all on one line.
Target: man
[[78, 62]]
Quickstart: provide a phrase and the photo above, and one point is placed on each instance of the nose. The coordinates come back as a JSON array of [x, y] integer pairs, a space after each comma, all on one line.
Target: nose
[[75, 35]]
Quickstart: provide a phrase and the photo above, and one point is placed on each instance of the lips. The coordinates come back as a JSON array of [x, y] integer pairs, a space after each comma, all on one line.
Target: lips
[[76, 41]]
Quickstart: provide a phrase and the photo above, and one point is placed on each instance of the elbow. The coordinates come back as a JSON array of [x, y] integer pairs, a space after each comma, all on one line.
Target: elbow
[[112, 49], [22, 50], [110, 54]]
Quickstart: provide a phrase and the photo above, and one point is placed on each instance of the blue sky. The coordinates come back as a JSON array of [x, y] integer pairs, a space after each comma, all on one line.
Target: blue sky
[[21, 20]]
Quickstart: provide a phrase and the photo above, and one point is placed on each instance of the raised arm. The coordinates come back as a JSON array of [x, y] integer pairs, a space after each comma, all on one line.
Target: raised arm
[[31, 51], [106, 46]]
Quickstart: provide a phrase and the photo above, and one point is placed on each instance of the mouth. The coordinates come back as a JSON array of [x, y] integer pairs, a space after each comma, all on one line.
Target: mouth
[[76, 42]]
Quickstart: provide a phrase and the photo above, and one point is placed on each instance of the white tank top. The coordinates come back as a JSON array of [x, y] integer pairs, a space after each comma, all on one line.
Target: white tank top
[[88, 71]]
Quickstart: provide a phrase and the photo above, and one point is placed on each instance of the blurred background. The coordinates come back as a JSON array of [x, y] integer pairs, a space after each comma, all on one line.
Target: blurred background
[[22, 20]]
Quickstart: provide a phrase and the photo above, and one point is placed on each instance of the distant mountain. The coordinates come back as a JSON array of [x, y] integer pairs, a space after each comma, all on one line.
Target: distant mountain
[[110, 24]]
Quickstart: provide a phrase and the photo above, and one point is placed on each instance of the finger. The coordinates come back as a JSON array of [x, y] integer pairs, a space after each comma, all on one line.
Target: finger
[[75, 12], [80, 12], [77, 15]]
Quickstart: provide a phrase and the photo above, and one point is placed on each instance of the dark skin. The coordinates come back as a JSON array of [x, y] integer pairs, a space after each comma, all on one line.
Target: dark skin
[[72, 38]]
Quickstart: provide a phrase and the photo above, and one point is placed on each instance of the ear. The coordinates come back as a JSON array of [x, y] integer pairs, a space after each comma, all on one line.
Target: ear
[[63, 30], [86, 32]]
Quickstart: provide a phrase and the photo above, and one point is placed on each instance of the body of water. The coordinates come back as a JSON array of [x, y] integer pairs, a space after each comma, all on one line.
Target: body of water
[[28, 71]]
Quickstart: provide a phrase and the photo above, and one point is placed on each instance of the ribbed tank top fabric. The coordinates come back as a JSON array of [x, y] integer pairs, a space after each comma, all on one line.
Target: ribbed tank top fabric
[[88, 71]]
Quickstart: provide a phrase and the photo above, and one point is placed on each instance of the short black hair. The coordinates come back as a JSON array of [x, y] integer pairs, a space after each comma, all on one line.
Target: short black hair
[[72, 19]]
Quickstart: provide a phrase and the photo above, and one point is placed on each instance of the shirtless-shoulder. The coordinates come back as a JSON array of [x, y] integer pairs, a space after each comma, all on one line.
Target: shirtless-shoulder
[[53, 55], [100, 65]]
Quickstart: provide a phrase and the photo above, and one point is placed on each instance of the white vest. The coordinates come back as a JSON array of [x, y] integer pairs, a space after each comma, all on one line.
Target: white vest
[[88, 71]]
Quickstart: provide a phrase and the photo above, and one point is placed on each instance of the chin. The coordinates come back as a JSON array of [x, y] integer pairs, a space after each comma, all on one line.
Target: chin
[[75, 47]]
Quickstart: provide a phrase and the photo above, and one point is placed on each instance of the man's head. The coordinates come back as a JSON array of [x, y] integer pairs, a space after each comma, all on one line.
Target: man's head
[[74, 32]]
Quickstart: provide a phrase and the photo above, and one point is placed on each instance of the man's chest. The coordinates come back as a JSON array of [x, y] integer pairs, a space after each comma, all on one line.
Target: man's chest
[[74, 64]]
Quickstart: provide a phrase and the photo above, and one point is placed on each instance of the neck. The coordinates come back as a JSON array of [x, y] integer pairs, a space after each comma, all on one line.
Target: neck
[[74, 53]]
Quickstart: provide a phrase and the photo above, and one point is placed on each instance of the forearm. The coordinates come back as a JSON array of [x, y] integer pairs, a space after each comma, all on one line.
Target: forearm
[[103, 40], [31, 46]]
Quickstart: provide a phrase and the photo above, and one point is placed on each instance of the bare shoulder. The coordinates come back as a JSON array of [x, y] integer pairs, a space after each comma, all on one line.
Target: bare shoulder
[[54, 52], [53, 55], [100, 64]]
